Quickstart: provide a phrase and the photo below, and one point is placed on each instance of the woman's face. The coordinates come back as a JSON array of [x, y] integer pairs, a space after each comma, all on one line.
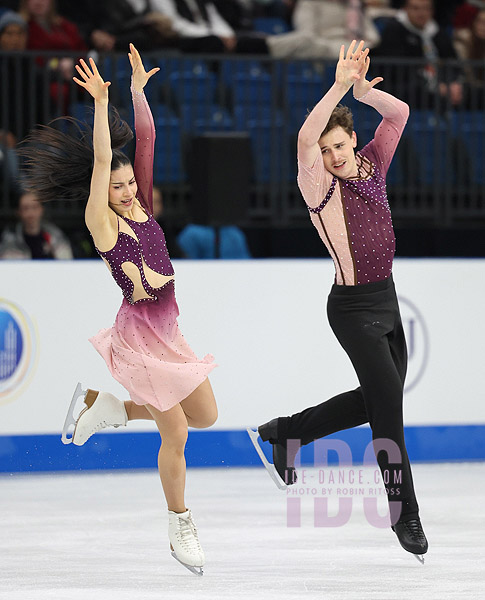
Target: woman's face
[[479, 25], [122, 189], [39, 8]]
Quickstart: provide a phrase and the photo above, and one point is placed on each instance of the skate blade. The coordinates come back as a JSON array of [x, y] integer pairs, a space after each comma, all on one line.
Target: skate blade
[[253, 435], [70, 420], [420, 558], [195, 570]]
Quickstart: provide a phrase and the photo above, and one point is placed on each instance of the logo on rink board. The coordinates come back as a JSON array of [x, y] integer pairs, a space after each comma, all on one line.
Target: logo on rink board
[[17, 349], [417, 340]]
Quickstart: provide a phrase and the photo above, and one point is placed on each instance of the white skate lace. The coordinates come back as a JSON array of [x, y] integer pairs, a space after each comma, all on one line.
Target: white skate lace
[[187, 535], [98, 426]]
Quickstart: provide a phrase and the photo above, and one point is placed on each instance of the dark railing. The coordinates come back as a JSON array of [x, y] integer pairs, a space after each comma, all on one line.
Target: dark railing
[[437, 176]]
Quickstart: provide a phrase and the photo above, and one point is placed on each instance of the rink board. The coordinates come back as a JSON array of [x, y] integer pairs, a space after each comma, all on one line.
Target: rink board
[[265, 322], [221, 449]]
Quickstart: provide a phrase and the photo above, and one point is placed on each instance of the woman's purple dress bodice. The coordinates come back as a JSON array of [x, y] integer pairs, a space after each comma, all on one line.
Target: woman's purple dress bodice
[[150, 245], [150, 248]]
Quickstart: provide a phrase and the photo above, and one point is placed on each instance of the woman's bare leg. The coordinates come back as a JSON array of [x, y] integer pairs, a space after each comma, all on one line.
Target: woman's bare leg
[[200, 406], [172, 425], [197, 410], [137, 412]]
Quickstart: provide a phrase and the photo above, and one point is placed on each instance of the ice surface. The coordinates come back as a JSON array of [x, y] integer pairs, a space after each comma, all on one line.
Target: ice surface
[[103, 536]]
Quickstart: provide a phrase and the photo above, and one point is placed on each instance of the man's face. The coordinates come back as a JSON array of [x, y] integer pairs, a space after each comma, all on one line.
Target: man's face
[[13, 38], [338, 152], [419, 12]]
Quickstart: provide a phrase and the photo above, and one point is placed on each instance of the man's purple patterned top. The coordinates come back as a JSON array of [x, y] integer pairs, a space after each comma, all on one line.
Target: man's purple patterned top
[[352, 216]]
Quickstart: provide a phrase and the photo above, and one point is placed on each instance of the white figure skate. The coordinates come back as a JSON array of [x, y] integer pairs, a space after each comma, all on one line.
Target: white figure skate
[[184, 541], [269, 466], [101, 410]]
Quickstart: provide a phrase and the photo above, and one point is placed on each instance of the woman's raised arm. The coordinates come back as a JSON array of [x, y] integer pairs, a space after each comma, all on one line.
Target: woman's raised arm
[[97, 210], [144, 130]]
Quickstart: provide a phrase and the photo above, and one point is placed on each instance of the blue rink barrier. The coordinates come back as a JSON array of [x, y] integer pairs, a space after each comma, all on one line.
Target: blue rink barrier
[[215, 448]]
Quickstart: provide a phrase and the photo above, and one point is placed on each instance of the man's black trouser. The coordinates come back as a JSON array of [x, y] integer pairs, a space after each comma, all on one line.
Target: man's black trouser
[[367, 323]]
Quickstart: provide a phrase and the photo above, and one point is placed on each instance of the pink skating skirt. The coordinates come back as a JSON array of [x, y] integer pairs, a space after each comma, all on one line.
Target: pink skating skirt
[[146, 352]]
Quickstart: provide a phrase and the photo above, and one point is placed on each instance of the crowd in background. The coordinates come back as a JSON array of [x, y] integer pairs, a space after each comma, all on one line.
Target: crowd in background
[[230, 26], [311, 29]]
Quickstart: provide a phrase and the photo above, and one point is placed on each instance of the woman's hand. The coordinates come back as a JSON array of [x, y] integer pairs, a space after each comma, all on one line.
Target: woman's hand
[[362, 86], [140, 76], [92, 81], [350, 66]]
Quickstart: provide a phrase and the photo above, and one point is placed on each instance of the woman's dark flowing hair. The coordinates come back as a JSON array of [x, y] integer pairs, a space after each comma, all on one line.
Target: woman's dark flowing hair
[[59, 157]]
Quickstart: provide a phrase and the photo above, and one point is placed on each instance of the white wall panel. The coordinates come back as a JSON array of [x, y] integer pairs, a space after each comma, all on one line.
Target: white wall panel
[[265, 322]]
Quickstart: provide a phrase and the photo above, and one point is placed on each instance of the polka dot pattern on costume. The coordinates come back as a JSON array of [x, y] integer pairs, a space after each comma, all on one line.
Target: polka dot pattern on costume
[[368, 219], [354, 217], [150, 247], [145, 350]]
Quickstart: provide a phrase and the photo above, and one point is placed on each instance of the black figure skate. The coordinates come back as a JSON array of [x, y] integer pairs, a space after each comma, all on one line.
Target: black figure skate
[[411, 537], [282, 471]]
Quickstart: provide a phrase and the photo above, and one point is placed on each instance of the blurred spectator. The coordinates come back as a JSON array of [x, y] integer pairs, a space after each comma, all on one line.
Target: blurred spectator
[[237, 13], [9, 163], [32, 237], [18, 113], [377, 9], [13, 32], [8, 5], [173, 247], [201, 28], [415, 34], [13, 38], [443, 10], [110, 25], [470, 41], [272, 8], [470, 45], [466, 13], [321, 27], [203, 241], [47, 30]]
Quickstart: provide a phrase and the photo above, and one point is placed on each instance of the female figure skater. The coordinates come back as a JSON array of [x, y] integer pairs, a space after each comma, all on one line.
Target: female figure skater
[[346, 196], [144, 350]]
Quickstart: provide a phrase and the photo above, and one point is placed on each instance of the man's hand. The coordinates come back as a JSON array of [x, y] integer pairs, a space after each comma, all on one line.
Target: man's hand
[[349, 66], [362, 86]]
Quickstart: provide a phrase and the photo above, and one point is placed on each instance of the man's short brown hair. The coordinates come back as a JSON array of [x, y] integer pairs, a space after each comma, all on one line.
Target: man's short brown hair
[[341, 117]]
